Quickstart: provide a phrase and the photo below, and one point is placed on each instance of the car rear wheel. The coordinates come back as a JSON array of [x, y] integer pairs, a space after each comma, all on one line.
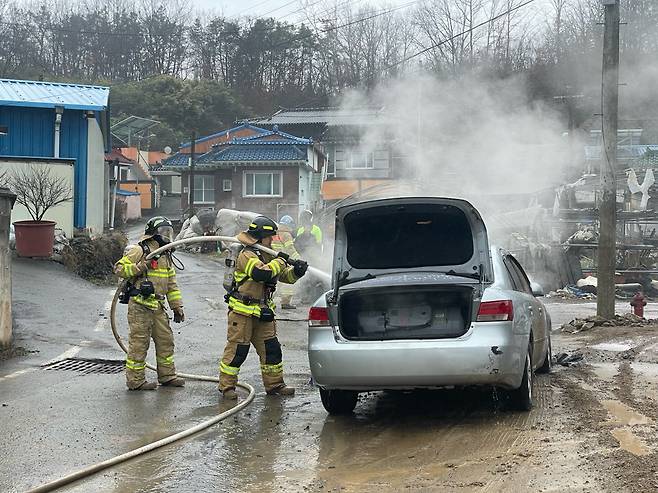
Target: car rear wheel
[[339, 401], [521, 398], [548, 359]]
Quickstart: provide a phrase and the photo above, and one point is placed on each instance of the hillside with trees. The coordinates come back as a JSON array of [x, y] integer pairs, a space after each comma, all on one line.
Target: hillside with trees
[[201, 71]]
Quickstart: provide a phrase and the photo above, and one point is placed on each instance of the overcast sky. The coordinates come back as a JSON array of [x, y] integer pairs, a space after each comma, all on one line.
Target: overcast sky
[[287, 9]]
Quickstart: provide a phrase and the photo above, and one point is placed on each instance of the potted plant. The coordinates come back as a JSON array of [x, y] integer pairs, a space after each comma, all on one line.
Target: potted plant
[[38, 190]]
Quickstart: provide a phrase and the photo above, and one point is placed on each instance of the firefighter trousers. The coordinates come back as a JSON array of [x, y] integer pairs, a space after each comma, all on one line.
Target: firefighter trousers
[[145, 324], [244, 330]]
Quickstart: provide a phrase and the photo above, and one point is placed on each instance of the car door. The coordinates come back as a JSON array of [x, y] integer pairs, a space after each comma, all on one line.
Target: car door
[[534, 308]]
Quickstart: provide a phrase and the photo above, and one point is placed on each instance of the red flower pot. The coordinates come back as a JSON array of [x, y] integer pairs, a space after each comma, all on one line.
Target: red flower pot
[[35, 238]]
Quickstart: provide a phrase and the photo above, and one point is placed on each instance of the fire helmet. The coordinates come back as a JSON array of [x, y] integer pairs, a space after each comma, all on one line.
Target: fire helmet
[[160, 226], [262, 227]]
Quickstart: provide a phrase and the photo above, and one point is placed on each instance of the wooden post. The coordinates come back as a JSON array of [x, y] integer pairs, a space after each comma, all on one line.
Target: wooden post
[[605, 299], [7, 200]]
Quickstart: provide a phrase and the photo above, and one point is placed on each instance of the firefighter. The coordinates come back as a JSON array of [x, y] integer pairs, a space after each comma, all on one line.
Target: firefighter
[[284, 242], [308, 242], [251, 309], [149, 283], [308, 238]]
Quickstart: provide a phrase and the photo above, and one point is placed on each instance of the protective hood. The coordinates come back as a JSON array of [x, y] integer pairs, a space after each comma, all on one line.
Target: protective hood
[[246, 239], [411, 234]]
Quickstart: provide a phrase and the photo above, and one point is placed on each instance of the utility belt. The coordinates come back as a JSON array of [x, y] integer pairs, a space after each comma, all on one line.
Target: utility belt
[[146, 291], [251, 307]]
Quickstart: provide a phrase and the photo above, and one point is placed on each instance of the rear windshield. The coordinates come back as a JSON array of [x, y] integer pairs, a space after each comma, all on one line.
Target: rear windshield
[[407, 236]]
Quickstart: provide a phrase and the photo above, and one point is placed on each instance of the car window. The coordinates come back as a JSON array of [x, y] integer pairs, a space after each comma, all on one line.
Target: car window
[[517, 274]]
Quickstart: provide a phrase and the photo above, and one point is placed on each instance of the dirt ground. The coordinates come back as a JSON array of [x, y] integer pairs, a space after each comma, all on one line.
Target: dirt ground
[[593, 429]]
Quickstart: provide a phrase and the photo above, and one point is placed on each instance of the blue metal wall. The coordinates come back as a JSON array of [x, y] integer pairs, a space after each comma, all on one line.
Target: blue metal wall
[[73, 144], [32, 133]]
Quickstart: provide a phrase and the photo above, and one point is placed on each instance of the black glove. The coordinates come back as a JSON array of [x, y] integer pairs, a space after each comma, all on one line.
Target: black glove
[[284, 256], [299, 267], [179, 315]]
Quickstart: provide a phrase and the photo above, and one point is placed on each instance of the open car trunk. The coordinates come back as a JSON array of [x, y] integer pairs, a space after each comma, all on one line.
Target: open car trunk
[[413, 312]]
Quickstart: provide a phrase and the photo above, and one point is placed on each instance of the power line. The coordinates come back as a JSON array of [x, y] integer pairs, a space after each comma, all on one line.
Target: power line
[[348, 24], [252, 7], [467, 31], [278, 8]]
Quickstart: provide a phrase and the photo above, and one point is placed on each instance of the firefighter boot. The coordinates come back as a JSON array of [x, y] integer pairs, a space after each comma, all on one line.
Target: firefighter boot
[[145, 386], [174, 382], [230, 394], [282, 390]]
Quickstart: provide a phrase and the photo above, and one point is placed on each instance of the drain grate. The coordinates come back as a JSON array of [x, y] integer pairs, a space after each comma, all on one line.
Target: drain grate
[[85, 366]]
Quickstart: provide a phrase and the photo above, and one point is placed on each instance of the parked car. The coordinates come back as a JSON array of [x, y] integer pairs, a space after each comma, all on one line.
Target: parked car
[[420, 300]]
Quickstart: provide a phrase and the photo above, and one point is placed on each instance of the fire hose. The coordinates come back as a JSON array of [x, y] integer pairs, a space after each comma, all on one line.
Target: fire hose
[[88, 471]]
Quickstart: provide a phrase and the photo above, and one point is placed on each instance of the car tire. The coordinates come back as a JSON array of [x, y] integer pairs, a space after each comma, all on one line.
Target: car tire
[[339, 401], [521, 399], [548, 359]]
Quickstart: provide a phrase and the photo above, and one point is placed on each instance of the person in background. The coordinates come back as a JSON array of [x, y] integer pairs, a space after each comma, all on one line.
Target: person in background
[[283, 241]]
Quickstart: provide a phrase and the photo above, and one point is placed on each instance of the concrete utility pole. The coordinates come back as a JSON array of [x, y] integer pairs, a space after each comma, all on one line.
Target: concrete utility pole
[[605, 301], [190, 202], [7, 200]]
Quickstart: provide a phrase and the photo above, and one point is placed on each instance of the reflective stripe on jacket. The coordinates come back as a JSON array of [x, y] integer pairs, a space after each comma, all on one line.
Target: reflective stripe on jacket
[[160, 272], [256, 275], [284, 242], [316, 232]]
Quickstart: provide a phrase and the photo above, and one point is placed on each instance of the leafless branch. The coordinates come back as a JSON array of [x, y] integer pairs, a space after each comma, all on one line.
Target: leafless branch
[[39, 190]]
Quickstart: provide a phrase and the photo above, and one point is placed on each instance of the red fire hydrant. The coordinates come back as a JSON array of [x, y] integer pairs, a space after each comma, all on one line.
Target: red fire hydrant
[[638, 304]]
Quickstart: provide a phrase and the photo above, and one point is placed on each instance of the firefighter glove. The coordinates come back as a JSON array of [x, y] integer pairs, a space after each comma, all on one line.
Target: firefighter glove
[[299, 267], [179, 315]]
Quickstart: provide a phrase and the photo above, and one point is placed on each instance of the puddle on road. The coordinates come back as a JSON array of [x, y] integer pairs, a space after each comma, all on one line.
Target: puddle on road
[[605, 371], [616, 347], [623, 415], [630, 442], [625, 418]]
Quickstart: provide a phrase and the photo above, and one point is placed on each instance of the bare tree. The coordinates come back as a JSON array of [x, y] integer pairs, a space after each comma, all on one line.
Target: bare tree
[[38, 190]]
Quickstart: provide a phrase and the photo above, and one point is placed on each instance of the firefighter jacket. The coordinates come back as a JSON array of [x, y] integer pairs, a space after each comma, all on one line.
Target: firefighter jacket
[[256, 275], [160, 272], [315, 231], [284, 242]]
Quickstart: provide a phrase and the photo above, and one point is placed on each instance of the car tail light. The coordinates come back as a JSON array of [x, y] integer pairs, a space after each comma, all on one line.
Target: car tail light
[[318, 317], [496, 311]]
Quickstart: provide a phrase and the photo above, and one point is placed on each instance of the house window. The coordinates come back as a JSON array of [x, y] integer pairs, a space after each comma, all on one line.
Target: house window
[[330, 169], [123, 174], [361, 160], [204, 189], [263, 184], [227, 185]]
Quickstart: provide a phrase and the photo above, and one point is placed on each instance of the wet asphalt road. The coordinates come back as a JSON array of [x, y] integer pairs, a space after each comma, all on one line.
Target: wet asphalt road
[[55, 422]]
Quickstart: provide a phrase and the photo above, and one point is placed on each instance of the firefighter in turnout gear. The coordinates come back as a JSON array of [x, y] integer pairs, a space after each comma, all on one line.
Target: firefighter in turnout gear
[[284, 242], [149, 283], [251, 309]]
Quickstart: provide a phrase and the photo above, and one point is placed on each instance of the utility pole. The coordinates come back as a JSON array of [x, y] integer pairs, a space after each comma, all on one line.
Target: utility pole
[[190, 202], [605, 301]]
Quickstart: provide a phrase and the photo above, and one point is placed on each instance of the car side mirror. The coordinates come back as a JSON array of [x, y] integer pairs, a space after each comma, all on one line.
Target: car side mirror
[[537, 290]]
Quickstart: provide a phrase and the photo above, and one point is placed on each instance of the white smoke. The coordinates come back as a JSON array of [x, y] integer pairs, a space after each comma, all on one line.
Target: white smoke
[[479, 139]]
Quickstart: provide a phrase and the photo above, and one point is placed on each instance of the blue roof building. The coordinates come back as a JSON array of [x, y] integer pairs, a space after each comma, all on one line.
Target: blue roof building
[[251, 168], [47, 123]]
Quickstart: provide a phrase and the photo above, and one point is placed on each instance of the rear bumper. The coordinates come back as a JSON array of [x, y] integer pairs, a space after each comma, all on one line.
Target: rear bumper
[[488, 354]]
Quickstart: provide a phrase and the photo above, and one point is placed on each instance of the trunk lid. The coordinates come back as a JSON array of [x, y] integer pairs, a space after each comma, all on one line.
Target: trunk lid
[[410, 234]]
